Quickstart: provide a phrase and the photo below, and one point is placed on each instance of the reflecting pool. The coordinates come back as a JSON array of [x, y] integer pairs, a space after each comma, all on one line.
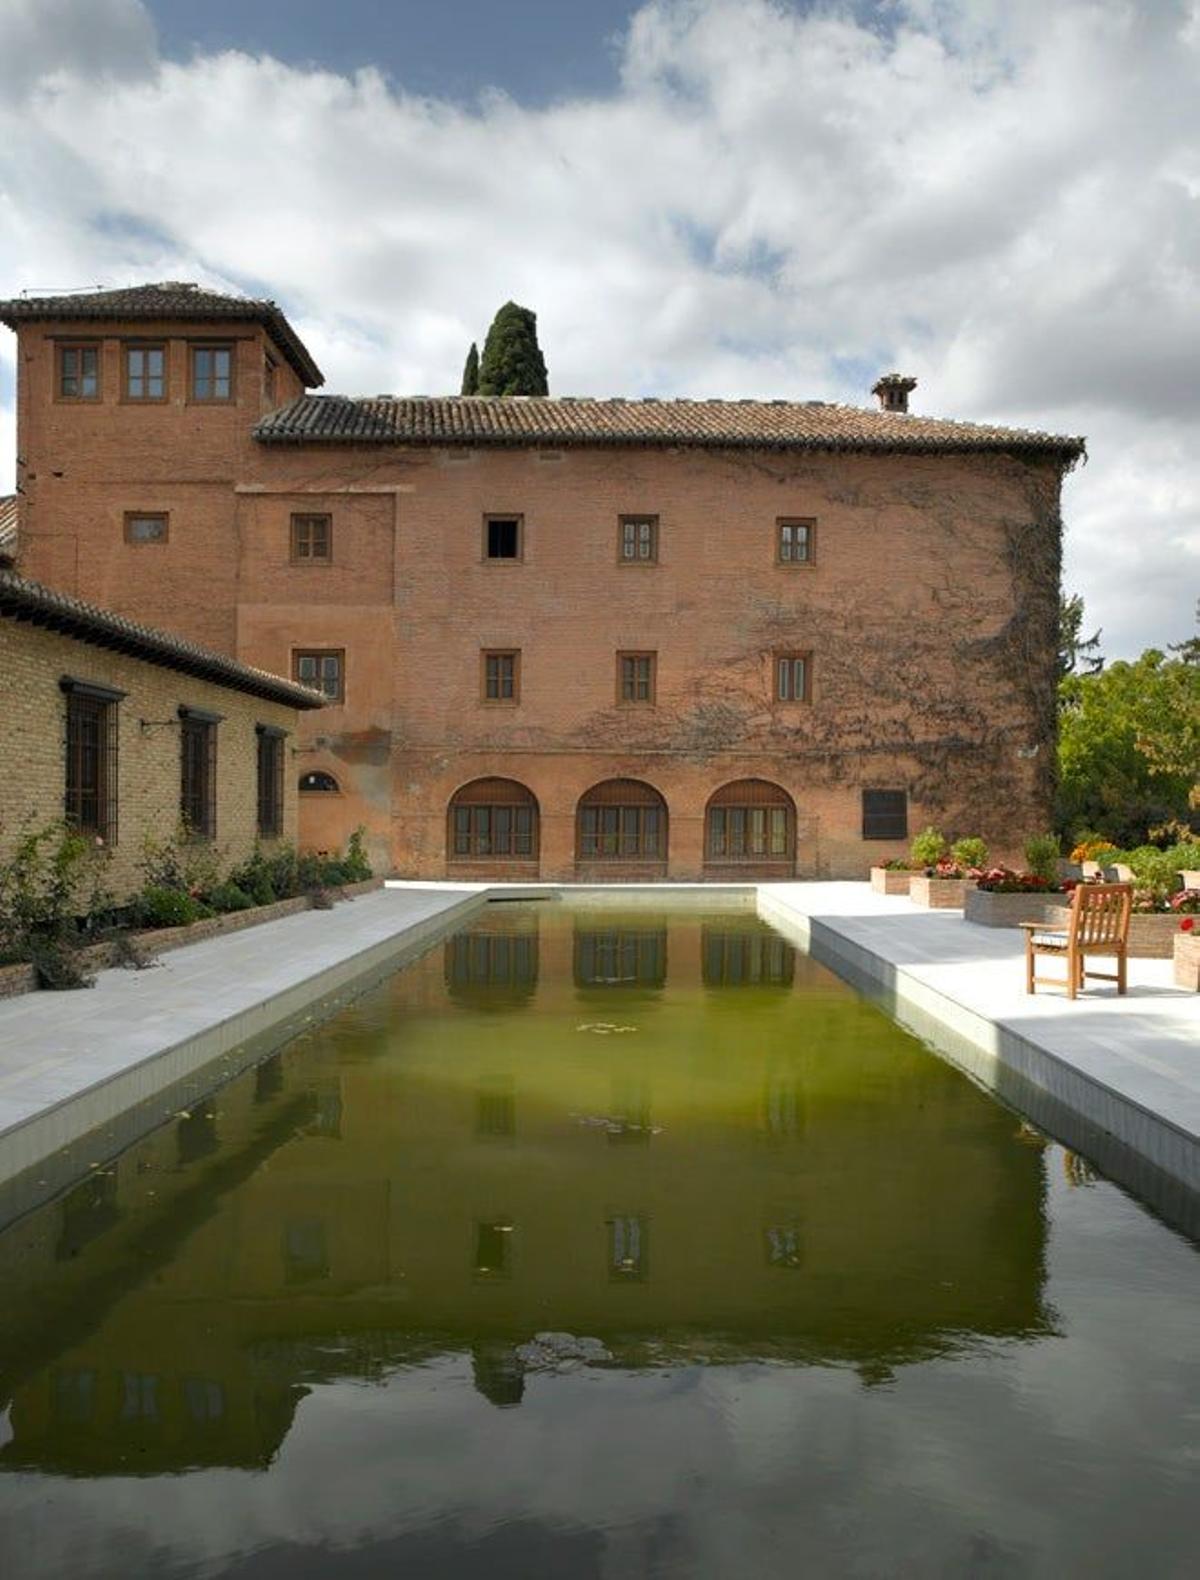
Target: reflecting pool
[[598, 1243]]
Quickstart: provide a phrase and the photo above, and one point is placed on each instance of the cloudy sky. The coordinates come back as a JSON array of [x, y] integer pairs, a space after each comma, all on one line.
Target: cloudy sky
[[768, 198]]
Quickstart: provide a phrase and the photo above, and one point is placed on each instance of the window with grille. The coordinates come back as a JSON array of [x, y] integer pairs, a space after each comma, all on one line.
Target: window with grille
[[212, 373], [91, 759], [621, 957], [638, 541], [622, 819], [312, 539], [322, 669], [270, 781], [742, 959], [793, 677], [198, 773], [79, 372], [885, 814], [636, 676], [318, 782], [147, 526], [492, 819], [628, 1248], [501, 676], [796, 542], [145, 373], [502, 537]]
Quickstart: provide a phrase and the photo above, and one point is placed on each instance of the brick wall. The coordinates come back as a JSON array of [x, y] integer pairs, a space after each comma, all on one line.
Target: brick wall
[[32, 750]]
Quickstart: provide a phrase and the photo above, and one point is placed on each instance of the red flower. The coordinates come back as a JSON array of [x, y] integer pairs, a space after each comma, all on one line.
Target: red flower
[[1187, 924]]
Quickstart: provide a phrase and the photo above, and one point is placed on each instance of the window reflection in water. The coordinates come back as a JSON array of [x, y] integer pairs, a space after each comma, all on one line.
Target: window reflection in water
[[74, 1396], [738, 958], [326, 1112], [87, 1211], [205, 1398], [139, 1396], [496, 1107], [784, 1106], [268, 1079], [305, 1252], [784, 1244], [493, 1250], [196, 1135], [621, 957], [484, 967], [628, 1248]]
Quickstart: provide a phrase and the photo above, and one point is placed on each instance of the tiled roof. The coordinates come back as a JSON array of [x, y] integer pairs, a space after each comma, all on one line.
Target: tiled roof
[[26, 600], [8, 523], [170, 299], [705, 424]]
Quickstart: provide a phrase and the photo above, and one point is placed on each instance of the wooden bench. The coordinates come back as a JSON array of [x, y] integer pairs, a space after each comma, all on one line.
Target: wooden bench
[[1097, 924]]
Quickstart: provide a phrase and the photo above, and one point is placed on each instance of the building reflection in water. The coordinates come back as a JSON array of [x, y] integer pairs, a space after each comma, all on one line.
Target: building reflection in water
[[804, 1146]]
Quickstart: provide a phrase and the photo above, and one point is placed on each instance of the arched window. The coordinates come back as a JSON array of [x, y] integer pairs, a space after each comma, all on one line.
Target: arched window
[[749, 820], [493, 819], [622, 820], [318, 782]]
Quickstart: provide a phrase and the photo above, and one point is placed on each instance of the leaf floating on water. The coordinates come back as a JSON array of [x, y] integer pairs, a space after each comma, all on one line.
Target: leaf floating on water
[[604, 1028]]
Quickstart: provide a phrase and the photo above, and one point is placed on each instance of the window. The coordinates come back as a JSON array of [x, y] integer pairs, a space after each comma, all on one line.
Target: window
[[145, 373], [142, 526], [91, 753], [636, 675], [796, 542], [732, 958], [638, 541], [312, 540], [270, 780], [305, 1251], [750, 820], [622, 819], [793, 677], [628, 1246], [491, 960], [79, 372], [198, 772], [501, 677], [622, 957], [322, 669], [318, 782], [502, 537], [212, 373], [493, 819], [885, 814]]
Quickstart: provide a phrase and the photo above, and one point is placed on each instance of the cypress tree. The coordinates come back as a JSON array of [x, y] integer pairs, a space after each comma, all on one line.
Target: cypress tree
[[470, 378], [512, 362]]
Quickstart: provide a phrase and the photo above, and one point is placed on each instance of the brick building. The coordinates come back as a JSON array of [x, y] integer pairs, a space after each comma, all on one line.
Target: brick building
[[564, 637], [122, 729]]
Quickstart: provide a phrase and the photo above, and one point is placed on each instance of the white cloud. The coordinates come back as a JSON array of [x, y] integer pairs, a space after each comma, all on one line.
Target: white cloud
[[1000, 198]]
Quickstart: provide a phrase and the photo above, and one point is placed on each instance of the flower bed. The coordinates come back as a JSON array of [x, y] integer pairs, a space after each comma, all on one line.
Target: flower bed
[[988, 908], [22, 978], [939, 894], [890, 880]]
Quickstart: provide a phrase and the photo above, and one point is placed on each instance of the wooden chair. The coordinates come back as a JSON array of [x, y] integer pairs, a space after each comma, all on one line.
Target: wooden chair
[[1097, 924]]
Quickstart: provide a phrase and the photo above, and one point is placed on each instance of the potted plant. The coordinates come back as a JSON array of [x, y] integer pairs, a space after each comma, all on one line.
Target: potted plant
[[891, 877], [941, 880], [1004, 898]]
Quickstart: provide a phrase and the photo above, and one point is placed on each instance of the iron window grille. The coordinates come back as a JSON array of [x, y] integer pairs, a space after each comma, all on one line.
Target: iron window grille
[[91, 751], [198, 772], [638, 541], [885, 814], [270, 780]]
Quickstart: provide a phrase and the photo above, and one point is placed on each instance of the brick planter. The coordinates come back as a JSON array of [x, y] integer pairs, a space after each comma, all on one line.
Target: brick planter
[[1187, 960], [1153, 937], [890, 880], [157, 941], [939, 894], [1010, 910]]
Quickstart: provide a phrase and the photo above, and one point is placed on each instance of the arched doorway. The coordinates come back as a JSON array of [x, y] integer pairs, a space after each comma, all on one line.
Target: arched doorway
[[492, 824], [750, 831], [621, 831]]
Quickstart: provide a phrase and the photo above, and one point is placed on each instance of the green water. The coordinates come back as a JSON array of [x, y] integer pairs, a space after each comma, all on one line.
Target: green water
[[824, 1307]]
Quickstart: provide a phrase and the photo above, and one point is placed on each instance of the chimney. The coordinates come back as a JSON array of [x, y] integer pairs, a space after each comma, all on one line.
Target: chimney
[[893, 391]]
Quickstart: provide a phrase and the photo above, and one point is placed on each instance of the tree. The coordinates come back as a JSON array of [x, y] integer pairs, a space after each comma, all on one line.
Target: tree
[[512, 362], [1189, 651], [1076, 653], [1129, 747], [470, 378]]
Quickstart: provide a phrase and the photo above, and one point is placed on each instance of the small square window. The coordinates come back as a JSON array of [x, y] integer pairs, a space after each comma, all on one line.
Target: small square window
[[502, 537], [145, 373], [322, 669], [793, 677], [796, 542], [312, 540], [79, 372], [636, 677], [637, 542], [212, 373], [501, 676], [147, 526]]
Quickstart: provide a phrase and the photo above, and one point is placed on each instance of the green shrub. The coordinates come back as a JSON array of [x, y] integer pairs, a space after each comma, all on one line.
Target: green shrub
[[50, 888], [971, 852], [358, 868], [182, 862], [229, 897], [56, 965], [1159, 869], [928, 848], [165, 907], [1042, 855]]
